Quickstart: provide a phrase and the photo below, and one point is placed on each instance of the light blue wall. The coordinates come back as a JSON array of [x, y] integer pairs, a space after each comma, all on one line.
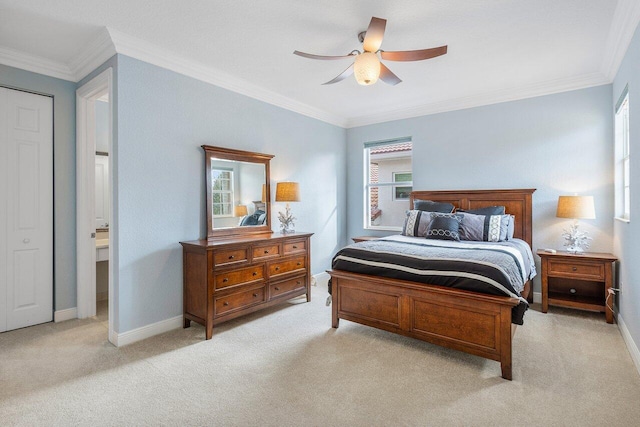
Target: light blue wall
[[163, 119], [558, 144], [64, 167], [625, 237]]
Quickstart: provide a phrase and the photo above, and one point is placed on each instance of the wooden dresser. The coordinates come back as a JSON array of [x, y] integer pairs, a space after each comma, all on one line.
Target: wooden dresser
[[233, 276]]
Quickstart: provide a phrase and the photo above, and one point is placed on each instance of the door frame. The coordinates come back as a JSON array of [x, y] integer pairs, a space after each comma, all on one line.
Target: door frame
[[86, 95]]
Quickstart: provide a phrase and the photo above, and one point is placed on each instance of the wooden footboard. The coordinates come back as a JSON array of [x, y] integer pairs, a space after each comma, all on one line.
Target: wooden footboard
[[467, 321]]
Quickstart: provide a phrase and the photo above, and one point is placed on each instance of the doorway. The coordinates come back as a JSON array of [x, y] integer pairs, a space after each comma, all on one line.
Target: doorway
[[95, 236]]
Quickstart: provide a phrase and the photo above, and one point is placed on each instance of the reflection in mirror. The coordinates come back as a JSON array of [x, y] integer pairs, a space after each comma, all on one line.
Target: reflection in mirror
[[237, 192], [234, 188]]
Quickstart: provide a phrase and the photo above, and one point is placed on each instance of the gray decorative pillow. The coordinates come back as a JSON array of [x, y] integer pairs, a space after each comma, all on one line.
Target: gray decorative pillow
[[511, 228], [416, 223], [487, 228], [431, 206], [444, 227], [489, 210]]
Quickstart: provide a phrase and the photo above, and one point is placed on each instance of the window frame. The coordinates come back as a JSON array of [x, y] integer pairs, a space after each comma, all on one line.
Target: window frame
[[622, 158], [368, 185]]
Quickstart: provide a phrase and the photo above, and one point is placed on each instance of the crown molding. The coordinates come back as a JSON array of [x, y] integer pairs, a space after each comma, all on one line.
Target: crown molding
[[148, 52], [623, 26], [36, 64], [504, 95], [94, 54]]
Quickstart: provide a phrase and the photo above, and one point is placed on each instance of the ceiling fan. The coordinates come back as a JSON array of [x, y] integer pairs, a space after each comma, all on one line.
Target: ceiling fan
[[366, 66]]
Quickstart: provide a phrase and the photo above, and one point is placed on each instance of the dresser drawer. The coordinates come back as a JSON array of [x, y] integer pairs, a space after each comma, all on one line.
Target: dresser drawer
[[287, 286], [229, 256], [295, 247], [266, 251], [567, 268], [287, 266], [239, 300], [239, 276]]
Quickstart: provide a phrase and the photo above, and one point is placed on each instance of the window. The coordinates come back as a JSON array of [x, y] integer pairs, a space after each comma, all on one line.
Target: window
[[388, 179], [222, 192], [402, 193], [622, 157]]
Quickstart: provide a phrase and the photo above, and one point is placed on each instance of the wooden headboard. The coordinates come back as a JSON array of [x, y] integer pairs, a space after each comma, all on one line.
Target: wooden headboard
[[516, 202]]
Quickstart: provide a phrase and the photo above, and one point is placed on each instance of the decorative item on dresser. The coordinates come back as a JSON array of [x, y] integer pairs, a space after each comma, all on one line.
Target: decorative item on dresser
[[227, 278], [577, 280], [240, 269]]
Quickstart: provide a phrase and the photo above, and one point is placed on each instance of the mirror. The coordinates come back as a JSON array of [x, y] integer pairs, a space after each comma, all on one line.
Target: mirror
[[237, 186]]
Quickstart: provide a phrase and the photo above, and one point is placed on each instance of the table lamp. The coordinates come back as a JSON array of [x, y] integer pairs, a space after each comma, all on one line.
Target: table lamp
[[576, 207], [240, 210], [287, 192]]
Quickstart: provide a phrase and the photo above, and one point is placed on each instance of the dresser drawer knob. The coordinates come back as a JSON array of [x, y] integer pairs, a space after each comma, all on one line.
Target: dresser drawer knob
[[299, 263], [295, 247], [225, 280], [232, 256], [574, 268], [255, 273], [298, 282], [277, 268], [266, 252], [225, 303], [277, 288], [255, 295]]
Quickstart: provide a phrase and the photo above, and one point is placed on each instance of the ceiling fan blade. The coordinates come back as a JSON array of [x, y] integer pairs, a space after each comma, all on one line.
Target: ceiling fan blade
[[387, 76], [414, 55], [375, 33], [346, 73], [312, 56]]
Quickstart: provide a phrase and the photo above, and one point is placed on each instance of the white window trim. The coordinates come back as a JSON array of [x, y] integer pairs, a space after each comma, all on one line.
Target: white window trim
[[367, 185], [400, 184], [622, 157]]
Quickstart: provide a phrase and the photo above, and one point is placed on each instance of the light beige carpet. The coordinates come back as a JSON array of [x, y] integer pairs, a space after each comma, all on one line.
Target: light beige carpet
[[287, 367]]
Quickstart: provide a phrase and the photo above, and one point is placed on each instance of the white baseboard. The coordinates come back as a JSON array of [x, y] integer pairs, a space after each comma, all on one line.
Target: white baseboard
[[322, 278], [628, 340], [537, 297], [68, 314], [139, 334]]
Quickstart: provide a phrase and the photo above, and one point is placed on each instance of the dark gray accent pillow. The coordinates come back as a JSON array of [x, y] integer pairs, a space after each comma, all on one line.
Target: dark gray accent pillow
[[489, 210], [487, 228], [431, 206], [416, 223], [443, 227]]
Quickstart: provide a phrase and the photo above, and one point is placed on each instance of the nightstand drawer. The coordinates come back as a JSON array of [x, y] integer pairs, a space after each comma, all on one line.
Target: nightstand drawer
[[564, 268]]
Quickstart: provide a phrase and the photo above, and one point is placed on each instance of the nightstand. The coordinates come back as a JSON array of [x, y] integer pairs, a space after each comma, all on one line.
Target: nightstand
[[577, 280], [363, 238]]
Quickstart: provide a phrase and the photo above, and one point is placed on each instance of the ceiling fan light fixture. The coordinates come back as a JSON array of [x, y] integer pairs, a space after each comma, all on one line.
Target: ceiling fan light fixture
[[366, 68]]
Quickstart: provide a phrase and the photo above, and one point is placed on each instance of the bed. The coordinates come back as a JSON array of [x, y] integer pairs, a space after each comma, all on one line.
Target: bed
[[457, 318]]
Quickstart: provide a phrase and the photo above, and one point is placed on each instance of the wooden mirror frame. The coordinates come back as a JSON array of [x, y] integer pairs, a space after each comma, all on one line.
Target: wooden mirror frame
[[240, 156]]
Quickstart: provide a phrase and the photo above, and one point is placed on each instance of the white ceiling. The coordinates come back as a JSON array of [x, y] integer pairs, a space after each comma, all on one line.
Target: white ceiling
[[499, 50]]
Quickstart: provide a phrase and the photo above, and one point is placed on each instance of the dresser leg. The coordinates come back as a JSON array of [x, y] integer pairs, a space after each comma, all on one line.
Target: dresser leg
[[186, 323], [209, 331]]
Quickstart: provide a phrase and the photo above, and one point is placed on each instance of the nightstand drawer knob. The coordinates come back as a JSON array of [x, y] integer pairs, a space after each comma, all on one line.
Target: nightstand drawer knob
[[573, 290], [225, 303], [232, 256], [255, 295], [277, 288], [575, 268], [295, 247], [225, 280]]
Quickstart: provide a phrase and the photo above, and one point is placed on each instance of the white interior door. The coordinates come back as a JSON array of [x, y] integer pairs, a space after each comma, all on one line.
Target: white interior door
[[26, 209]]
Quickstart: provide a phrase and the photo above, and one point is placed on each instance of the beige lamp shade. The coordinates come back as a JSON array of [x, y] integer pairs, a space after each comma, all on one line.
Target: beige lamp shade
[[240, 210], [576, 207], [287, 192]]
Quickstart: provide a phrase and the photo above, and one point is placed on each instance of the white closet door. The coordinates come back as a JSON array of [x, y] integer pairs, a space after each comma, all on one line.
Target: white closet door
[[26, 209]]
